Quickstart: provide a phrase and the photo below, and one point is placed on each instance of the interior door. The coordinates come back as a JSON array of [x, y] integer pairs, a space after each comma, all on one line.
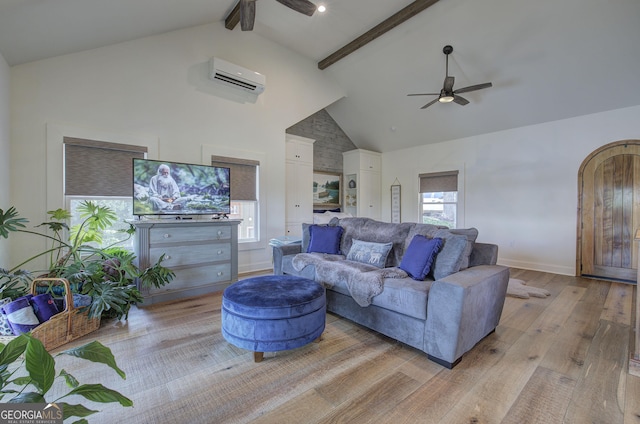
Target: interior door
[[610, 212]]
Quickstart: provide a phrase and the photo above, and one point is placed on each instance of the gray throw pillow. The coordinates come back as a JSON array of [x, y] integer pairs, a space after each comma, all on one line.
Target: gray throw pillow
[[449, 259], [471, 234]]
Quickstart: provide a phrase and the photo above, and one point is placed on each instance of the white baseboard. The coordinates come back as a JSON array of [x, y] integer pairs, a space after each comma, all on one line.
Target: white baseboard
[[255, 267], [535, 266]]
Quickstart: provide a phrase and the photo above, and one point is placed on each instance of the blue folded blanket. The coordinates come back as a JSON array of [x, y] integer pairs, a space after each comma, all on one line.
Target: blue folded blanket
[[20, 315]]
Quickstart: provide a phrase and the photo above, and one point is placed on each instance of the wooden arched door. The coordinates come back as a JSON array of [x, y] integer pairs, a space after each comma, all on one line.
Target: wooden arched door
[[609, 212]]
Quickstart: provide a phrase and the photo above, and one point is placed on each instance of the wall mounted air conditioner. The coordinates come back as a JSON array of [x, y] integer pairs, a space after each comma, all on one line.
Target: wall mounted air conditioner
[[236, 76]]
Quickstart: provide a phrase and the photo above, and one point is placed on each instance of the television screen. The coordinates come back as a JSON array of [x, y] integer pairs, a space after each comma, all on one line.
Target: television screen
[[161, 188]]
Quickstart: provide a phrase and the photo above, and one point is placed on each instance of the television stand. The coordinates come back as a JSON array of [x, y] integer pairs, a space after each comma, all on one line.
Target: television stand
[[202, 253]]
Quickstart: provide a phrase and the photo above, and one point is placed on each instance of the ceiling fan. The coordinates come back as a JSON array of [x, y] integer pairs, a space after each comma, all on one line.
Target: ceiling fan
[[248, 10], [448, 94]]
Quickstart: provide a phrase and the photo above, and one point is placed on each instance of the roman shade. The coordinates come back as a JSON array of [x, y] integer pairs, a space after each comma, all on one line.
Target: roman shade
[[244, 174], [97, 168], [438, 181]]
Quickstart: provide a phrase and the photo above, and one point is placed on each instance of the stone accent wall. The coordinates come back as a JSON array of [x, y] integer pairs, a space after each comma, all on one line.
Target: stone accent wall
[[330, 142]]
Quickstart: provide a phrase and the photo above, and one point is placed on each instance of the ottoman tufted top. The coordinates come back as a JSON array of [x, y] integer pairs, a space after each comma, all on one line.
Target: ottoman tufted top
[[274, 296]]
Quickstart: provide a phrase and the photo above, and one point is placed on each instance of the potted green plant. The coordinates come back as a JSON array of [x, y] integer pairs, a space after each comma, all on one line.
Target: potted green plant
[[109, 275], [28, 372]]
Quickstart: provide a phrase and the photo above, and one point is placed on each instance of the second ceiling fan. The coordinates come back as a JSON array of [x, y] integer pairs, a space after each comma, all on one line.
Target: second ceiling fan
[[248, 10], [448, 94]]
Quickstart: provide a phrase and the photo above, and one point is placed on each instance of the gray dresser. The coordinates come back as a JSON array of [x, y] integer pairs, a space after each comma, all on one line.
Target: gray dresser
[[202, 253]]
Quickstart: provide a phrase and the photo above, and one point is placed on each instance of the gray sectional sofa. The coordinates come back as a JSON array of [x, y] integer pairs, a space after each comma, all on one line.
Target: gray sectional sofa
[[457, 305]]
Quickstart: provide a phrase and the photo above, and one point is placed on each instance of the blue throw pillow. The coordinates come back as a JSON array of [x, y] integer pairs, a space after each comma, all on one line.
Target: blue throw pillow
[[369, 253], [419, 257], [324, 239]]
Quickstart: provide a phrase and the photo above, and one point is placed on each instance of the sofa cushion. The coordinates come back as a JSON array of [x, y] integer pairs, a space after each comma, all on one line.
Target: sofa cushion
[[369, 252], [450, 258], [471, 234], [402, 295], [324, 239], [427, 230], [367, 229], [419, 256]]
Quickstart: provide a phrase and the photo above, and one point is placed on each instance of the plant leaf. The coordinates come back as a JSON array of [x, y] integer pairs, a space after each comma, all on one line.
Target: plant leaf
[[59, 214], [70, 410], [9, 222], [28, 397], [13, 349], [40, 365], [96, 352], [69, 379], [99, 393], [20, 381]]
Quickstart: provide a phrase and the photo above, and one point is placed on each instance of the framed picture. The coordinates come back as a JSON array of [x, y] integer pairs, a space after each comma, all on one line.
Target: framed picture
[[395, 204], [327, 189]]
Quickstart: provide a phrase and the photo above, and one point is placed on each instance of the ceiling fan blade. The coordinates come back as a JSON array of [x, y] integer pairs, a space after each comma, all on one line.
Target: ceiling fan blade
[[429, 104], [247, 14], [473, 88], [448, 84], [424, 94], [460, 100], [302, 6]]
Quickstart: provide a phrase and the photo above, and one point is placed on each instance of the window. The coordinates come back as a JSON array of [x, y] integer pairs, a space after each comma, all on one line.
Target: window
[[244, 198], [439, 198], [100, 172]]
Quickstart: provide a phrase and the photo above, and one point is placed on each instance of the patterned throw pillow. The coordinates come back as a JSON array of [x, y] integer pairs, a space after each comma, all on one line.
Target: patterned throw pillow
[[369, 253], [5, 327]]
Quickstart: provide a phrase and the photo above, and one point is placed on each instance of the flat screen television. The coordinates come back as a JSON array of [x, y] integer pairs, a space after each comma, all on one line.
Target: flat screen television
[[172, 188]]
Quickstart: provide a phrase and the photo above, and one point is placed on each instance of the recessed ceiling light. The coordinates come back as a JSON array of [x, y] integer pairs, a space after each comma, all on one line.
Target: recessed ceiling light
[[321, 8]]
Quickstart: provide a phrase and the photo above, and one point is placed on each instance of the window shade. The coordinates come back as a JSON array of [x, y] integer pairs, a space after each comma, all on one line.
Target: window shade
[[438, 181], [243, 176], [97, 168]]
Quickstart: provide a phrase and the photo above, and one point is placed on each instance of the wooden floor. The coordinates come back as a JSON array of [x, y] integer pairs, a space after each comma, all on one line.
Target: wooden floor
[[562, 359]]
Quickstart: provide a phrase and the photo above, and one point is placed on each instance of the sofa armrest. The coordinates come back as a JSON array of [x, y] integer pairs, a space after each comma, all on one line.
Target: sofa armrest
[[483, 254], [280, 251], [462, 309]]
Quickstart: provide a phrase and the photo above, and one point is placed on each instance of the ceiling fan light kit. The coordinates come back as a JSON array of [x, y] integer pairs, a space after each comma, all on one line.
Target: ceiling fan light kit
[[448, 94]]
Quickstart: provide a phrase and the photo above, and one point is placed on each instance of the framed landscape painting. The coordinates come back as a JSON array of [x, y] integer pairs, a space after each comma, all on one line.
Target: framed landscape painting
[[327, 189]]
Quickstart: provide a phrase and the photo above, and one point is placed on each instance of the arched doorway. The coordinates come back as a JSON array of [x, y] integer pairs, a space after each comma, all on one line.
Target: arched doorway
[[609, 212]]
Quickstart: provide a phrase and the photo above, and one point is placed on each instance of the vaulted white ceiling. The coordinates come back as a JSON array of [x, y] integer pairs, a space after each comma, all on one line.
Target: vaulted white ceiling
[[548, 60]]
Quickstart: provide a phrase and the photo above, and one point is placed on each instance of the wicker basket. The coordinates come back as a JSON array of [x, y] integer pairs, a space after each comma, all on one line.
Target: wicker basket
[[66, 326]]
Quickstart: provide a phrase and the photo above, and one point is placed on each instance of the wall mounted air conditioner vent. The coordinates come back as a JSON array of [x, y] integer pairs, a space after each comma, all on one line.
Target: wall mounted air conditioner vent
[[236, 76]]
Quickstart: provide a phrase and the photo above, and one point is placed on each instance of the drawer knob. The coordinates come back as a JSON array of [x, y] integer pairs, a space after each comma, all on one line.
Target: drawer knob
[[220, 273], [166, 235], [167, 257], [220, 252]]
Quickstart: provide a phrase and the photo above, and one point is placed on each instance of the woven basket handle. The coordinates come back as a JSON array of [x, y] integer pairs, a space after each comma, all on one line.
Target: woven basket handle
[[67, 294], [61, 281]]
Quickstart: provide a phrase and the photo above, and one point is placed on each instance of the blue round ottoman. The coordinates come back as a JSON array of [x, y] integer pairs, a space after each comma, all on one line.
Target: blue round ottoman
[[273, 313]]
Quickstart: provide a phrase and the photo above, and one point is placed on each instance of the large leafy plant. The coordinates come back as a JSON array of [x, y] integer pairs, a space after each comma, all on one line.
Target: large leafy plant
[[28, 372], [108, 274]]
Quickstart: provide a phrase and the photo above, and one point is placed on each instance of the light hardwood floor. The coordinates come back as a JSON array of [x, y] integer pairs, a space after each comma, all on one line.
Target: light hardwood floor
[[562, 359]]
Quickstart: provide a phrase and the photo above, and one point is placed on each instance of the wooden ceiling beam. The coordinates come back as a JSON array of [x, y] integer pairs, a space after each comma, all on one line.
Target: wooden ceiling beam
[[233, 18], [388, 24]]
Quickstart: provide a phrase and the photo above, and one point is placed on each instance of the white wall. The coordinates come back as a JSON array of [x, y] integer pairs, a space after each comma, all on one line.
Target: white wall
[[156, 88], [518, 187], [5, 159]]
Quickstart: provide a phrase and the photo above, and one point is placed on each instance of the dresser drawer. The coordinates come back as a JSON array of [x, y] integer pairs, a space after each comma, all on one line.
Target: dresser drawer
[[183, 233], [191, 254], [195, 277]]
